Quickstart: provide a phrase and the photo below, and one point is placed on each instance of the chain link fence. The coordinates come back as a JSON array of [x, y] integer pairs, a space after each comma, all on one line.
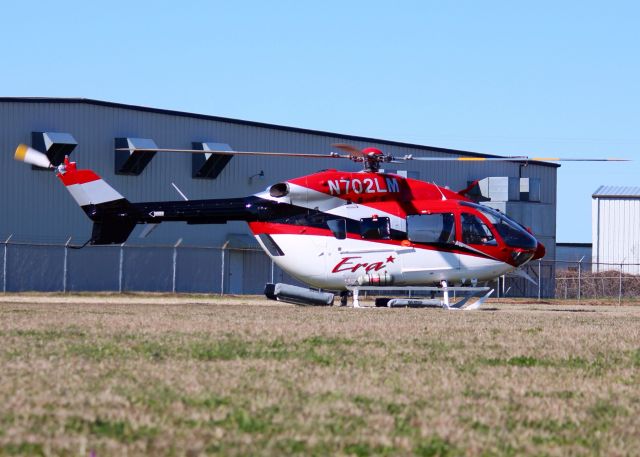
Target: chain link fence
[[229, 270], [127, 268], [594, 281], [573, 281]]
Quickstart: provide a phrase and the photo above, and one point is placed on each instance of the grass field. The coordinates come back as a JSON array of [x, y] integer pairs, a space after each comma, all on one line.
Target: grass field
[[164, 375]]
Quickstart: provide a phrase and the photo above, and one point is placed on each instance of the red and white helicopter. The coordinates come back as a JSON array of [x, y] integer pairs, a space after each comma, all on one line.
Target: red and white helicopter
[[333, 229]]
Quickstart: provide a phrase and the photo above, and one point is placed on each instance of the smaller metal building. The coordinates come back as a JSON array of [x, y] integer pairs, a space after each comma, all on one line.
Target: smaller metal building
[[569, 255], [616, 229]]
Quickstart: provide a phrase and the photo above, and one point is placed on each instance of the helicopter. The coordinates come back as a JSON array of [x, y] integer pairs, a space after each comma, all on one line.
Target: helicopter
[[332, 229]]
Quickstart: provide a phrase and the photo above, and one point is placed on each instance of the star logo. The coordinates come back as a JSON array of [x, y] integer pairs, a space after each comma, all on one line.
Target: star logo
[[390, 259]]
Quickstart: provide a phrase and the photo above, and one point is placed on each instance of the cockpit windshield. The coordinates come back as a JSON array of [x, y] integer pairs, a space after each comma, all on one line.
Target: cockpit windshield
[[513, 234]]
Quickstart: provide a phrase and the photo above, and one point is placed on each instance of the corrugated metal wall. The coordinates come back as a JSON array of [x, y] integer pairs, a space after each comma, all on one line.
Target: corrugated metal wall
[[616, 233]]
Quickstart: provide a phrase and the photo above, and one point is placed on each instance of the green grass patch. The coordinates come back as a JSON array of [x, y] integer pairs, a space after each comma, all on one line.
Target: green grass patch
[[248, 422], [561, 394], [518, 361], [226, 349], [533, 330], [98, 351], [205, 401], [122, 431], [319, 341], [22, 448], [604, 411], [595, 366], [435, 446], [366, 449], [364, 403], [317, 350], [48, 334]]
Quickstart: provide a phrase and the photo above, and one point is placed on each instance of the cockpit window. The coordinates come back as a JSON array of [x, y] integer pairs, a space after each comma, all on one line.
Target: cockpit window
[[474, 231], [513, 234], [378, 228], [431, 228]]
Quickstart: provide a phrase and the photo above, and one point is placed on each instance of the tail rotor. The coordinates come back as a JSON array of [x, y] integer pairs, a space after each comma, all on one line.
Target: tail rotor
[[31, 156]]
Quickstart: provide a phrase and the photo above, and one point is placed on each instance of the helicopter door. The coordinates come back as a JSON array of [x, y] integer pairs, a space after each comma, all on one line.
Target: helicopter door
[[364, 255], [315, 247], [335, 244], [432, 236]]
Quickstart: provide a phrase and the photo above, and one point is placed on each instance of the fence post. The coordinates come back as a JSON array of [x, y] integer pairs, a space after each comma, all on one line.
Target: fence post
[[64, 266], [175, 262], [120, 268], [620, 287], [224, 246], [4, 265], [539, 280], [580, 279], [272, 279]]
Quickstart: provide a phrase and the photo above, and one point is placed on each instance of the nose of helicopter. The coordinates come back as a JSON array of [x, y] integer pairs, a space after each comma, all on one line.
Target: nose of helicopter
[[540, 251]]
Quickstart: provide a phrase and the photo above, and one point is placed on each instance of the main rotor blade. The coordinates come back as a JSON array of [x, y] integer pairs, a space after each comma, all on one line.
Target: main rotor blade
[[358, 153], [348, 148], [464, 159], [240, 153], [568, 159], [511, 159]]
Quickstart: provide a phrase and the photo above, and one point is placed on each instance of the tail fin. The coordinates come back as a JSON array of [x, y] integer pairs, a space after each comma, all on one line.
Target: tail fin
[[109, 211], [111, 231]]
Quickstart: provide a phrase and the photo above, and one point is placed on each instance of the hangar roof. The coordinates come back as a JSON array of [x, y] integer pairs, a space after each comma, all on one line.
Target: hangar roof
[[617, 192], [90, 101]]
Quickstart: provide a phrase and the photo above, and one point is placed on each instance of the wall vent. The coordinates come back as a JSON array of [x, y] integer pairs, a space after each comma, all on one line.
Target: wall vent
[[133, 163], [56, 145], [209, 165]]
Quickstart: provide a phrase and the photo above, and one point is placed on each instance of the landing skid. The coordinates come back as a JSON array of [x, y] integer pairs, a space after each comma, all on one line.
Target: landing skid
[[480, 294]]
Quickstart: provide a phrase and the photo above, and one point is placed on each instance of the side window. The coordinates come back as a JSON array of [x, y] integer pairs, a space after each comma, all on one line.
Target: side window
[[431, 228], [338, 227], [474, 231], [378, 228]]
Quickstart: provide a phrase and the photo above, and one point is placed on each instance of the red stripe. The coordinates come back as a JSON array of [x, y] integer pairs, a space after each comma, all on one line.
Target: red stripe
[[78, 177], [285, 229]]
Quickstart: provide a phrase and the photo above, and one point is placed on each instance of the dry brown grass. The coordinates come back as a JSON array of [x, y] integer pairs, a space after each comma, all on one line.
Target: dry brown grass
[[165, 375]]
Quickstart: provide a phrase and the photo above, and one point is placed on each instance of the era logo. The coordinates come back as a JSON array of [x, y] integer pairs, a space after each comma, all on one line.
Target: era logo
[[348, 264]]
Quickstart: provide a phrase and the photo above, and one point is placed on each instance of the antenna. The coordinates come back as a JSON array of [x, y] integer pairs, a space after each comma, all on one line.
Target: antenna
[[436, 186], [179, 191]]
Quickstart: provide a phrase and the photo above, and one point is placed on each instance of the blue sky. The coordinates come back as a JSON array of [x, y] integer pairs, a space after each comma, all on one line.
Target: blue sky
[[537, 78]]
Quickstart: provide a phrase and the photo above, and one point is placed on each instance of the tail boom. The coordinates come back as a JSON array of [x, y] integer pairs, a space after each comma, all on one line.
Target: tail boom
[[114, 217]]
